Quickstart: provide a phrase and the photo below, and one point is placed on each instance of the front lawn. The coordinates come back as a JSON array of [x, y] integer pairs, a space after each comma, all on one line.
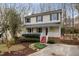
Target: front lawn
[[16, 50], [4, 48]]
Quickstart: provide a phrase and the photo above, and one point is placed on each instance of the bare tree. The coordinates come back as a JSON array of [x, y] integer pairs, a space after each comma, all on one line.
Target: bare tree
[[9, 16], [76, 5], [45, 7]]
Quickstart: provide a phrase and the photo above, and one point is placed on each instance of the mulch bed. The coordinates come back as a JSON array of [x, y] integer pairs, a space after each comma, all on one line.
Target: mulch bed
[[23, 52], [70, 42]]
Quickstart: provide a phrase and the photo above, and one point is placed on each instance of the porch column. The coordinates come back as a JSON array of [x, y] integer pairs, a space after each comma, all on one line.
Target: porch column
[[34, 30], [44, 30], [59, 31]]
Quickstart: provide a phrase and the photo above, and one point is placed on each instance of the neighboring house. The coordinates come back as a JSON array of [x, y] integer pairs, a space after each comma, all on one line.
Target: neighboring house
[[48, 23]]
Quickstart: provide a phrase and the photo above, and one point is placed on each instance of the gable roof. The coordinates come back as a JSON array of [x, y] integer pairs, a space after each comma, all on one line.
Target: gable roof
[[45, 13]]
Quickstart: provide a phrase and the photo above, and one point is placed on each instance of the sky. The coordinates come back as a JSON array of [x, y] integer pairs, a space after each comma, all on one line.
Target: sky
[[55, 6], [35, 7]]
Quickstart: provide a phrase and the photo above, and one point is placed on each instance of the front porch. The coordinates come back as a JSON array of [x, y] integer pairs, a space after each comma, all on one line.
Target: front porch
[[51, 31]]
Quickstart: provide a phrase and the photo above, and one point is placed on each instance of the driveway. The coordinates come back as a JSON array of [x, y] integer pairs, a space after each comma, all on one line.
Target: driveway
[[58, 50]]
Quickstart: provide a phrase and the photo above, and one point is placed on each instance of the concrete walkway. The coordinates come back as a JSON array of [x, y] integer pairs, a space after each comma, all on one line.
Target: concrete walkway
[[58, 50]]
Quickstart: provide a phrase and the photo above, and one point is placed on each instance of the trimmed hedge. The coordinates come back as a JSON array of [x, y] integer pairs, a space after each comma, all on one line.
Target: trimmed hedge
[[29, 38], [31, 35], [21, 39]]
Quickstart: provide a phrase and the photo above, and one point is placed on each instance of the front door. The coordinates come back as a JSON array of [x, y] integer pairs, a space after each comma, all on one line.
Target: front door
[[46, 31]]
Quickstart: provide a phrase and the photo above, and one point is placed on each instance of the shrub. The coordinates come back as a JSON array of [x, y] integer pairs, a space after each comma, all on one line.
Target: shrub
[[31, 35], [39, 45], [25, 39], [51, 40], [62, 31]]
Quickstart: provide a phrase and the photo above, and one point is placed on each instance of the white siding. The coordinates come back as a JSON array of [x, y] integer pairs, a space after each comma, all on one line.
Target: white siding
[[44, 31], [34, 30], [33, 20], [56, 33], [46, 18]]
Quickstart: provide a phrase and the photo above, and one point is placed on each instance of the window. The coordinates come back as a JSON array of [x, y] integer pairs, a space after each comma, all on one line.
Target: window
[[28, 29], [54, 17], [39, 30], [39, 19], [27, 20]]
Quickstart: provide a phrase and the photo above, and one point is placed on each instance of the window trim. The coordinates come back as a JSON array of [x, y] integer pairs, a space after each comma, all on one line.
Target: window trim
[[40, 20], [27, 21], [52, 15]]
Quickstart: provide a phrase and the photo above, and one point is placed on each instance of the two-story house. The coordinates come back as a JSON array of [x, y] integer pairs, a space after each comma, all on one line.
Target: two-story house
[[48, 23]]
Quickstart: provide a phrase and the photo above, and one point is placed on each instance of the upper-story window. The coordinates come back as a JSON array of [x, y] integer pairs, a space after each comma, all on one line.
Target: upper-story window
[[54, 17], [27, 20], [39, 19]]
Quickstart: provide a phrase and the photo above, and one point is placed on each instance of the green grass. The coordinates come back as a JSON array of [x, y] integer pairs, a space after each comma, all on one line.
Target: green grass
[[40, 46]]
